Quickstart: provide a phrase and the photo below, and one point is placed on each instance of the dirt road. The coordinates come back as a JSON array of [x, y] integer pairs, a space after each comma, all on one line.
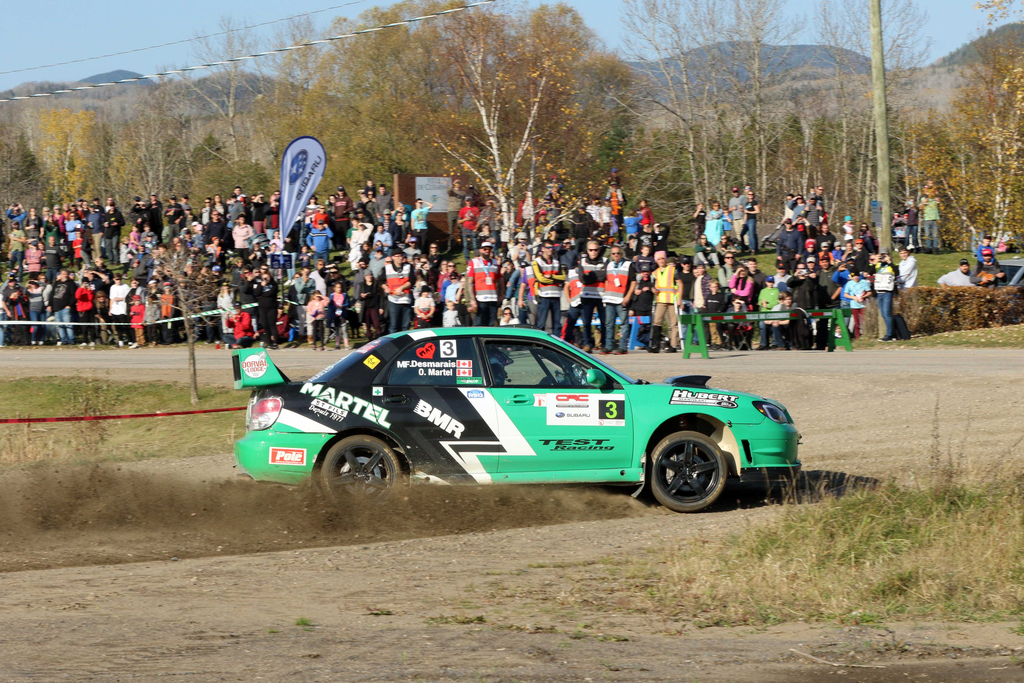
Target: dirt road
[[466, 584]]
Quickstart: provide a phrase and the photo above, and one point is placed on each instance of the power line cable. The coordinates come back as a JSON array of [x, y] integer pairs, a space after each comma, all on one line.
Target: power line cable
[[179, 42], [299, 46]]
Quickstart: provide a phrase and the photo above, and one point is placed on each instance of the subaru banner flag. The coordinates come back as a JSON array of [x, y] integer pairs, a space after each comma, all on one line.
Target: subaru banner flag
[[302, 167]]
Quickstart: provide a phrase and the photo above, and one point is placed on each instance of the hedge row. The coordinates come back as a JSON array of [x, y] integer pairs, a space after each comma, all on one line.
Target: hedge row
[[930, 310]]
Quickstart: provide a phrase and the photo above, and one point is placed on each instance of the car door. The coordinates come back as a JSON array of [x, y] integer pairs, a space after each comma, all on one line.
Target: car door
[[439, 409], [554, 420]]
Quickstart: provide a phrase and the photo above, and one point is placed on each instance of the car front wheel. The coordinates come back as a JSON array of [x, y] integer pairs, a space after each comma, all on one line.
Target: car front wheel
[[688, 472], [360, 468]]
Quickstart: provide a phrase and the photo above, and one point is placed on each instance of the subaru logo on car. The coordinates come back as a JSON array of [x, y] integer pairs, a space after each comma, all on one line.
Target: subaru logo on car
[[559, 414], [298, 166]]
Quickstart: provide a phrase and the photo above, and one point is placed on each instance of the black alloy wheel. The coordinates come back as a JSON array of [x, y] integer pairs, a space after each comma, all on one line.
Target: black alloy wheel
[[360, 468], [688, 472]]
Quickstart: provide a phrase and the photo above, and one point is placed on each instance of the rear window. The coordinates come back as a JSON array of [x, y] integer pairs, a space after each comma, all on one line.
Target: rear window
[[438, 362], [363, 361]]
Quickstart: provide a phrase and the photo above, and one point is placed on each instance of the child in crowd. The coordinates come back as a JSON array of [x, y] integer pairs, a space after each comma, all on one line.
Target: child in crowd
[[316, 313], [337, 314], [138, 313], [450, 318], [424, 308]]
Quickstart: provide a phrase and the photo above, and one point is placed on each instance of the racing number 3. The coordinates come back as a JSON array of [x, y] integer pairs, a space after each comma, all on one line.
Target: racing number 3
[[612, 410]]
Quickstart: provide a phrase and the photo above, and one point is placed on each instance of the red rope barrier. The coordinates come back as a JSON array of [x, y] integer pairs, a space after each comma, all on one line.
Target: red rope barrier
[[88, 418]]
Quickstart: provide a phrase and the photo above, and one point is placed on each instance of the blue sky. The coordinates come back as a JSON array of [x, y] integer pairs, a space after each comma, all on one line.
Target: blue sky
[[30, 42]]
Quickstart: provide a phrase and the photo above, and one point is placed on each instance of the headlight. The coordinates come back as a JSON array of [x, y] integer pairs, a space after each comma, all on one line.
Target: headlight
[[772, 412], [264, 413]]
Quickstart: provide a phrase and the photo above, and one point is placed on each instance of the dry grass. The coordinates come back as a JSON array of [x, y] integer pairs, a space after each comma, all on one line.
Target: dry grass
[[950, 548], [949, 552], [115, 439]]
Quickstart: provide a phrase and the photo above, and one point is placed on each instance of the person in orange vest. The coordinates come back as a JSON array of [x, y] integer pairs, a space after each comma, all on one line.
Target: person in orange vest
[[483, 281], [619, 283], [549, 275], [665, 301], [398, 276]]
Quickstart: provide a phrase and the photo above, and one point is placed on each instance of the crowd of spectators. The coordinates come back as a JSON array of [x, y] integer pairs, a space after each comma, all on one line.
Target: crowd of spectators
[[363, 266]]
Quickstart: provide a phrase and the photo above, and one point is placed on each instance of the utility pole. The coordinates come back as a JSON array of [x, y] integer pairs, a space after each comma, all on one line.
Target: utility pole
[[884, 231]]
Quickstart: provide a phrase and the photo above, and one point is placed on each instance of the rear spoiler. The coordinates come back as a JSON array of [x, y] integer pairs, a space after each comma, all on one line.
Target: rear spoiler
[[253, 368]]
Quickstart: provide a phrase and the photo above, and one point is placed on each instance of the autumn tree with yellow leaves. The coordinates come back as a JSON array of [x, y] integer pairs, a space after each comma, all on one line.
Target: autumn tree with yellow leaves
[[64, 149]]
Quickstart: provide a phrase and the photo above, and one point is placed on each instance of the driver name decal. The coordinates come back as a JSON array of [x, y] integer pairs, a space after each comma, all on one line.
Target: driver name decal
[[434, 368], [685, 397]]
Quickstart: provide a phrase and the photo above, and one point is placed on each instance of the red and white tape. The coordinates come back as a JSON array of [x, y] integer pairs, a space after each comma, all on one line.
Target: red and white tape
[[90, 418]]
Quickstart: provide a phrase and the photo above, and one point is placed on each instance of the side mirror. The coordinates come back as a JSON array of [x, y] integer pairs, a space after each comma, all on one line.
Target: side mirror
[[596, 378]]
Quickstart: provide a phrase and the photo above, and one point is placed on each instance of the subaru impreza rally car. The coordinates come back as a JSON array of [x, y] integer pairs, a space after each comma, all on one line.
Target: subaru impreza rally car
[[501, 405]]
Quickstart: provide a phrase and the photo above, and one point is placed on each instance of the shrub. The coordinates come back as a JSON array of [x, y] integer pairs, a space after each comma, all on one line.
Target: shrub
[[930, 310]]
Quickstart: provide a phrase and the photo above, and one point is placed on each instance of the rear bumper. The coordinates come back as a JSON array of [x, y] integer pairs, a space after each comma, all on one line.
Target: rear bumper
[[254, 457]]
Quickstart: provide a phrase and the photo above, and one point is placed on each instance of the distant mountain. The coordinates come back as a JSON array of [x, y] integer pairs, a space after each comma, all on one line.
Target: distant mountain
[[1011, 34], [807, 62], [110, 76]]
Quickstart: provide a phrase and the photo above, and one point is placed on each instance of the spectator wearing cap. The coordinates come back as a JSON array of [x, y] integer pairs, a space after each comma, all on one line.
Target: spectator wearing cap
[[240, 324], [861, 256], [483, 282], [986, 243], [907, 269], [790, 244], [988, 273], [319, 240]]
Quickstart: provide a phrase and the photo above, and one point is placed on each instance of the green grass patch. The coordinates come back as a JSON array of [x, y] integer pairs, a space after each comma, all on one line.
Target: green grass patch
[[930, 267], [953, 551], [1010, 337], [131, 439]]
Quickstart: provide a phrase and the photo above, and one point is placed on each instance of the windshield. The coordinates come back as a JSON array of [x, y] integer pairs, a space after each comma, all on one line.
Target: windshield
[[604, 366], [1011, 272]]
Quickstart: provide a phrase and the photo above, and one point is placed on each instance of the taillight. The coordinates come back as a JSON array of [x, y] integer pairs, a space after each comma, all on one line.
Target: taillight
[[264, 413]]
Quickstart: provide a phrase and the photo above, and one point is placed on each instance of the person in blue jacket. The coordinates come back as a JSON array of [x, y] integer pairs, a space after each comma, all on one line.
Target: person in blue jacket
[[319, 240]]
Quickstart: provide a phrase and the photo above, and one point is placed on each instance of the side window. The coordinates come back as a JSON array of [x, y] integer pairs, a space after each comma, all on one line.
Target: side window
[[434, 361], [523, 364]]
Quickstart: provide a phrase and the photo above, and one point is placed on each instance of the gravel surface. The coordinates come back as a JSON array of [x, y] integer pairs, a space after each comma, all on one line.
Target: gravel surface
[[158, 568]]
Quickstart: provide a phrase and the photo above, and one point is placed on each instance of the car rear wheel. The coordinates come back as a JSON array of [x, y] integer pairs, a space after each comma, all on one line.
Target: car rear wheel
[[688, 472], [360, 468]]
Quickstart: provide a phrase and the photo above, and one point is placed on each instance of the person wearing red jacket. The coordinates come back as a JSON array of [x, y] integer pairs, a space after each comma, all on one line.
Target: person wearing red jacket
[[138, 313], [240, 323], [84, 296]]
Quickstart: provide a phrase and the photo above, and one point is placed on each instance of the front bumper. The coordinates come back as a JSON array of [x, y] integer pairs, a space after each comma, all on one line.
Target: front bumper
[[769, 445], [274, 456]]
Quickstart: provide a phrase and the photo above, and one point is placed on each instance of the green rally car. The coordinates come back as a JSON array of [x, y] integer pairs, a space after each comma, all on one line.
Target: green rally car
[[501, 405]]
